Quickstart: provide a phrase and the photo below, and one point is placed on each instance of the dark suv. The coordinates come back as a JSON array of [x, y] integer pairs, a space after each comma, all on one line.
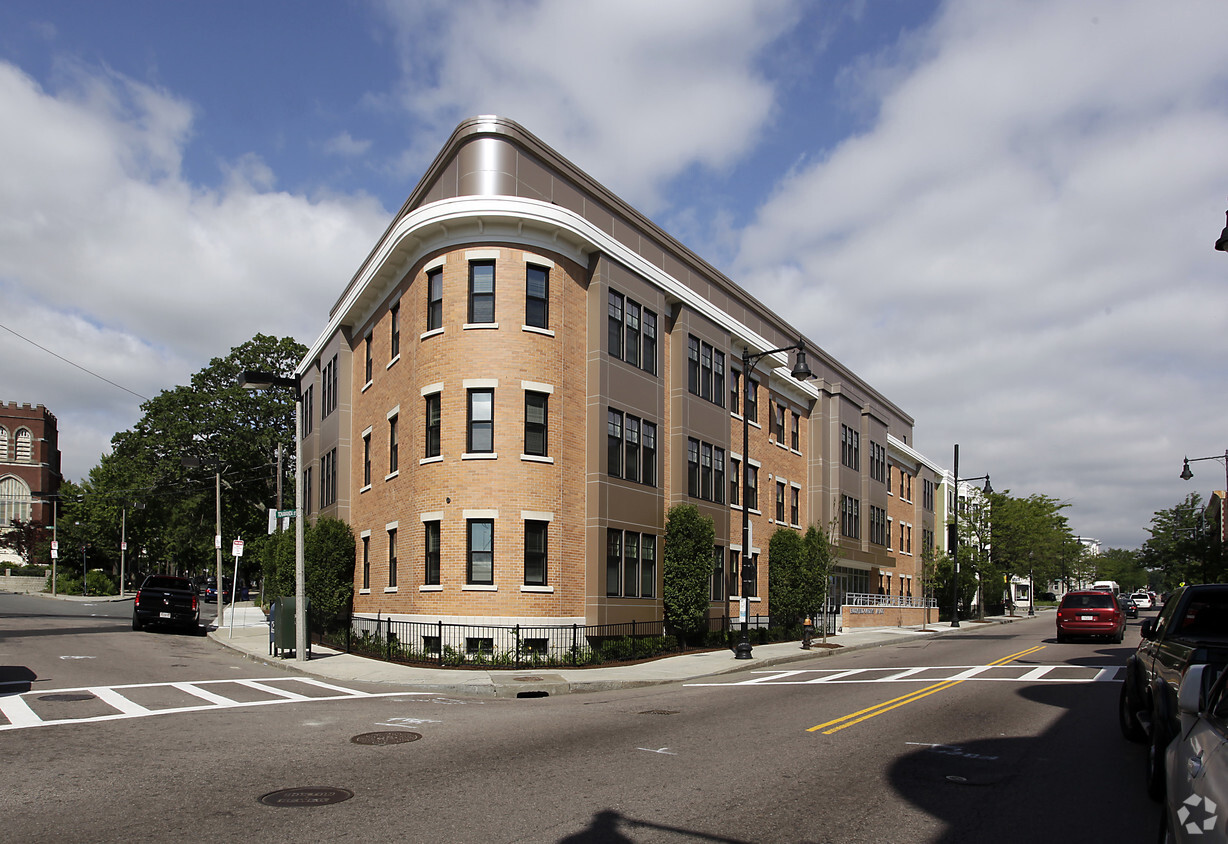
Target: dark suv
[[1090, 614]]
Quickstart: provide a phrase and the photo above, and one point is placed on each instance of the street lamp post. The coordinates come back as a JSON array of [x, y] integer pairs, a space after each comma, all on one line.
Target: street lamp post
[[801, 372], [953, 539], [123, 539], [217, 536], [1186, 474], [262, 381]]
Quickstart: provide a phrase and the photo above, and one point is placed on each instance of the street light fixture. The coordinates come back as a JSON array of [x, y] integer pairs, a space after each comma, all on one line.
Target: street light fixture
[[250, 380], [953, 539], [801, 372], [1222, 244], [1186, 474]]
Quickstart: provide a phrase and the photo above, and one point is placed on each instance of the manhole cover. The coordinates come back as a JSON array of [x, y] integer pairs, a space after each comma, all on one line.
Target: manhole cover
[[393, 737], [659, 712], [65, 697], [295, 797]]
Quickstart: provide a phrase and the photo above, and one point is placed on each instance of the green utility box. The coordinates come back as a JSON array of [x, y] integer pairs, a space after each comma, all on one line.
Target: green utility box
[[281, 630]]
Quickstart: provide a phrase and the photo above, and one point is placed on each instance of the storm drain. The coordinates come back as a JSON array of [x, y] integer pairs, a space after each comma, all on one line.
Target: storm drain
[[660, 712], [298, 797], [67, 697], [389, 737]]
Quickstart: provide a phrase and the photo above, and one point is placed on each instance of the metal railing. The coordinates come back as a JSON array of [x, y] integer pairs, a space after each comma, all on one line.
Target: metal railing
[[862, 599]]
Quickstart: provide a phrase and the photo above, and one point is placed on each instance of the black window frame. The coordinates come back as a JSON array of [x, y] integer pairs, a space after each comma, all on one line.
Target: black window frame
[[536, 556], [480, 301], [433, 417], [536, 433], [471, 553], [434, 299], [536, 302], [473, 426], [432, 536]]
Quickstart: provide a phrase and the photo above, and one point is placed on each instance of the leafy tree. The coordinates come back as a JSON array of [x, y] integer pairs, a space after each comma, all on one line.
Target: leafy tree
[[29, 540], [1030, 537], [1182, 547], [785, 577], [1123, 566], [328, 557], [687, 569]]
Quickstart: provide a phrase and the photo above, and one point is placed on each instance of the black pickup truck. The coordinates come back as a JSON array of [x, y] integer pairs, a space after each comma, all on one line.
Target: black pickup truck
[[164, 599], [1192, 629]]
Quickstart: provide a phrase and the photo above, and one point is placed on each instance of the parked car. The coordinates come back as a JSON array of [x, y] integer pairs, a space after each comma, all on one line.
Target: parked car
[[1196, 761], [228, 595], [164, 599], [1191, 630], [1090, 613], [1128, 606], [1142, 600]]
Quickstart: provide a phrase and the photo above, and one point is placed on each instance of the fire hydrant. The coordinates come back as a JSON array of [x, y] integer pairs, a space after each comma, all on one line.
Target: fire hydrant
[[807, 633]]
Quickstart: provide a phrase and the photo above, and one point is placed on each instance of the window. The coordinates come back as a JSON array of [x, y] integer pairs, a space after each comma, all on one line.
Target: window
[[778, 422], [850, 447], [780, 501], [648, 566], [717, 589], [328, 388], [752, 487], [537, 297], [535, 415], [927, 494], [613, 562], [795, 507], [718, 471], [631, 439], [705, 371], [481, 436], [648, 360], [735, 382], [392, 444], [705, 471], [367, 344], [750, 576], [616, 325], [850, 521], [878, 525], [631, 563], [366, 460], [535, 534], [394, 346], [734, 588], [878, 462], [366, 562], [392, 557], [309, 409], [631, 351], [307, 489], [480, 567], [752, 399], [614, 436], [795, 435], [328, 478], [433, 407], [648, 455], [735, 484], [692, 467], [481, 292], [631, 332], [431, 545], [434, 299], [703, 479]]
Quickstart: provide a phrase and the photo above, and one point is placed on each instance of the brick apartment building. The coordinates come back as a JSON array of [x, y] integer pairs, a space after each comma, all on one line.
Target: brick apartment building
[[29, 465], [525, 374]]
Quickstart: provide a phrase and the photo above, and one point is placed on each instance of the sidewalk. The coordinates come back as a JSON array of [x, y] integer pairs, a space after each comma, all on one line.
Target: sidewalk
[[250, 637]]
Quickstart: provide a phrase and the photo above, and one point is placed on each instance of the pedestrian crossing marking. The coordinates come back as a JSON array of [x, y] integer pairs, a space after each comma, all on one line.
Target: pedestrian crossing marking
[[20, 710], [1056, 673]]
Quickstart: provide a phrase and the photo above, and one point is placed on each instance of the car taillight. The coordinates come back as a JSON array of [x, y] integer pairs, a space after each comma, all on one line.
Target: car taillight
[[193, 603], [136, 599]]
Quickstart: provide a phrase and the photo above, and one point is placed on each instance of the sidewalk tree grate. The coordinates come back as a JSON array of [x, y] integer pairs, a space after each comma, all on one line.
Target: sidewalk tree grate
[[67, 697], [659, 712], [299, 797], [388, 737]]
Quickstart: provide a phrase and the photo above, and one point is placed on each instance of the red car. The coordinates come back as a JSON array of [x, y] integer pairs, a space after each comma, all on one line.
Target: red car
[[1090, 614]]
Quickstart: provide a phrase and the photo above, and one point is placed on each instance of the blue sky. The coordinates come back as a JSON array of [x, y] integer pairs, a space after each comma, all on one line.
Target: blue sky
[[1000, 214]]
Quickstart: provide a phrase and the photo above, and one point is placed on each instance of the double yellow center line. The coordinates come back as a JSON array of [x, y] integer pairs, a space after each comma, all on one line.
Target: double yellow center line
[[886, 706]]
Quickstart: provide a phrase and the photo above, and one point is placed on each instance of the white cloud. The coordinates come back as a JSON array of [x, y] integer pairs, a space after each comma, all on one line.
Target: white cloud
[[346, 146], [1019, 251], [109, 258], [634, 92]]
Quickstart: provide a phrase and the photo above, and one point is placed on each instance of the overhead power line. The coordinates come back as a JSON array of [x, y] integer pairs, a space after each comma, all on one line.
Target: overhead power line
[[70, 363]]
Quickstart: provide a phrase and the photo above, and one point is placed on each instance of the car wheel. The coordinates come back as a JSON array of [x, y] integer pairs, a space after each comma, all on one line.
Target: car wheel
[[1061, 640], [136, 622], [1156, 785], [1127, 716]]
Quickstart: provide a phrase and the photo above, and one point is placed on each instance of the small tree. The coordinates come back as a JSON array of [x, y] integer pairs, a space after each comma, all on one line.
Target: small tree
[[687, 569], [786, 578], [329, 567]]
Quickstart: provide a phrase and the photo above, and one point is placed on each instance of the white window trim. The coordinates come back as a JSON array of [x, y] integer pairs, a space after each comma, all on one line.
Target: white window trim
[[537, 387], [536, 516], [479, 514], [540, 589], [538, 261], [426, 334], [536, 458], [435, 263], [431, 588], [396, 411], [483, 254], [476, 326], [480, 455], [433, 516], [480, 383], [423, 461], [389, 589], [480, 587], [432, 389], [533, 329], [394, 360]]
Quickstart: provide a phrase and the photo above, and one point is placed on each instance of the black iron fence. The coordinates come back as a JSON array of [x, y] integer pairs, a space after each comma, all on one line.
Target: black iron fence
[[437, 643]]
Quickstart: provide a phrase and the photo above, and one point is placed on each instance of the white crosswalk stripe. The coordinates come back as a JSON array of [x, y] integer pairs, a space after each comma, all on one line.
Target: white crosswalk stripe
[[22, 710], [1009, 673]]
